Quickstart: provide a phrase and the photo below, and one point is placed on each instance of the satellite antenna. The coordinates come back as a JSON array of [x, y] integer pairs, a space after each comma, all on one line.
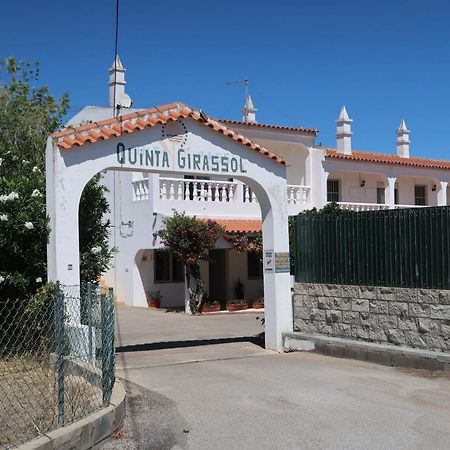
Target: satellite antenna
[[242, 83], [123, 100]]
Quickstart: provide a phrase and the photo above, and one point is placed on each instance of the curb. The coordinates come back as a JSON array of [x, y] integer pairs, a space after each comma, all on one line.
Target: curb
[[88, 433], [388, 355]]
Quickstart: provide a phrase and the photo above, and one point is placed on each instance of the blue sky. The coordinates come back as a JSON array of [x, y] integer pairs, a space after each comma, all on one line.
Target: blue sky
[[385, 60]]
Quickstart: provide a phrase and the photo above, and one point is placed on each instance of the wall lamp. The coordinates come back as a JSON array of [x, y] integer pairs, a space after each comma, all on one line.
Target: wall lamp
[[433, 188], [363, 183]]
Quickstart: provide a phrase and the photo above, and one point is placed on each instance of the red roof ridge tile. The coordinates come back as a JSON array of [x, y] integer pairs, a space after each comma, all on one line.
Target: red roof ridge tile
[[237, 225], [386, 158], [139, 120], [276, 127]]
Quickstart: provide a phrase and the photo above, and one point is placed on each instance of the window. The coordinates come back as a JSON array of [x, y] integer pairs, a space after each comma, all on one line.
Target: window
[[396, 202], [420, 195], [167, 268], [254, 265], [333, 194], [381, 193]]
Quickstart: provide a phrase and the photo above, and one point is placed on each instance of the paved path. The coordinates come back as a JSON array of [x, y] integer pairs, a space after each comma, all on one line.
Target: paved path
[[223, 391]]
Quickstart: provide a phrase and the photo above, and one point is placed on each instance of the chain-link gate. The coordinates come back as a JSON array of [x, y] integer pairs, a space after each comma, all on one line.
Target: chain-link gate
[[56, 359]]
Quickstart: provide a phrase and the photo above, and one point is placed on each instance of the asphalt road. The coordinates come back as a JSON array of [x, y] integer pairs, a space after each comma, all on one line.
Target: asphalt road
[[204, 383]]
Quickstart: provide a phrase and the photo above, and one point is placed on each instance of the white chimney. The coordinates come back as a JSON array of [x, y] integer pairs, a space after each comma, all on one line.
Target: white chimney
[[249, 111], [403, 140], [344, 133], [117, 83]]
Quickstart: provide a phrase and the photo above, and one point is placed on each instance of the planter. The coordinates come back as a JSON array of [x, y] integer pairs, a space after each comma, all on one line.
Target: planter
[[258, 305], [210, 308], [236, 306], [153, 303]]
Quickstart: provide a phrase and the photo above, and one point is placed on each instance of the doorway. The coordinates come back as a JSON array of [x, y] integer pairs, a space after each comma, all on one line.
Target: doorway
[[218, 275]]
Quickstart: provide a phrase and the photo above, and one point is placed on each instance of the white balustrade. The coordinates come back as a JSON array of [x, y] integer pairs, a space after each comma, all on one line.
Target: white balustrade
[[140, 189], [410, 206], [249, 196], [298, 195], [196, 190], [356, 207], [211, 191]]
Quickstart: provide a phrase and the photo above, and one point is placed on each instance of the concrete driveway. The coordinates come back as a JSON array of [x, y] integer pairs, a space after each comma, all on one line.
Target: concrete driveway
[[221, 390]]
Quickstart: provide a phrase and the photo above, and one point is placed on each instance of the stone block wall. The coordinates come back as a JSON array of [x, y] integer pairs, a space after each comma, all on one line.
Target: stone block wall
[[418, 318]]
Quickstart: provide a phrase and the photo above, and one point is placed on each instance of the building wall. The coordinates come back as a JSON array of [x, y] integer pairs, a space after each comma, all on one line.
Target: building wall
[[237, 268], [353, 192], [417, 318]]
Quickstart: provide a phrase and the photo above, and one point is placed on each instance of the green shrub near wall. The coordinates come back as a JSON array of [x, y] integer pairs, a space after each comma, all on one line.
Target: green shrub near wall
[[403, 247]]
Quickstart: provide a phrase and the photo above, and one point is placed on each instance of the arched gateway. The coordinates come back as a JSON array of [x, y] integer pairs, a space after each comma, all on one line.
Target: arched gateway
[[169, 139]]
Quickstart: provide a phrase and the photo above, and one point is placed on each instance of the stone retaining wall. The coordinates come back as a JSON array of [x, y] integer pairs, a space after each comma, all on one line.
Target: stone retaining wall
[[418, 318]]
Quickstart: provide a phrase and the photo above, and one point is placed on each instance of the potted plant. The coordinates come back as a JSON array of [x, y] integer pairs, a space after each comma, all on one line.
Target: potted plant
[[210, 306], [237, 304], [154, 299], [258, 303]]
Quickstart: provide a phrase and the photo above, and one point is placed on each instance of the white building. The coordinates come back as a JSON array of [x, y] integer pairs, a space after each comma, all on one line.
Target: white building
[[356, 180]]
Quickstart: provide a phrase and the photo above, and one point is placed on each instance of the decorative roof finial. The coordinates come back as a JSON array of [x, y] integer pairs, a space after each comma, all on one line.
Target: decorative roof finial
[[249, 111], [117, 97], [403, 140], [344, 133]]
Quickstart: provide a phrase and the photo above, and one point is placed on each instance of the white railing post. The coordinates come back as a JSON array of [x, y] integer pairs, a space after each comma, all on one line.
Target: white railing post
[[390, 192], [442, 194]]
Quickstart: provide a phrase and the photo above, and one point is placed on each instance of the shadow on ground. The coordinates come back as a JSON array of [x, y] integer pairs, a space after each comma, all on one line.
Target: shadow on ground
[[257, 340]]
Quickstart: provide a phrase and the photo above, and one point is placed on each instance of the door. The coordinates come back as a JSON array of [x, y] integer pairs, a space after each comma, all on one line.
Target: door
[[218, 275]]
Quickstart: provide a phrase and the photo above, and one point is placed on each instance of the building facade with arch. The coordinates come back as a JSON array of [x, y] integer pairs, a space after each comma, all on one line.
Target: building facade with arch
[[214, 188]]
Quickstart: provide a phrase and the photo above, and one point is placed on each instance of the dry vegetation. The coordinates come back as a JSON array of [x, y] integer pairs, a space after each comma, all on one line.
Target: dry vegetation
[[29, 399]]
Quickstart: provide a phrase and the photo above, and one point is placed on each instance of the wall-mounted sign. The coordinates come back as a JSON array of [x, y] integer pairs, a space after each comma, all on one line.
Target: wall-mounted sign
[[178, 156], [153, 156], [269, 261], [282, 262]]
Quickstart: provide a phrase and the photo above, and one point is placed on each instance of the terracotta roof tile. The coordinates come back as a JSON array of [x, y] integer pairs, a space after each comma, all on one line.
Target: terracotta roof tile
[[139, 120], [264, 125], [239, 225], [388, 159]]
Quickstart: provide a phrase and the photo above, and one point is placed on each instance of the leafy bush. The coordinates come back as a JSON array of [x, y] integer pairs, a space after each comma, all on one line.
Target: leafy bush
[[28, 115]]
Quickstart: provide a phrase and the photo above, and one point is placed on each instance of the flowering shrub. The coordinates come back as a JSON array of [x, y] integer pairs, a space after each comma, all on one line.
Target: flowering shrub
[[190, 239], [28, 115]]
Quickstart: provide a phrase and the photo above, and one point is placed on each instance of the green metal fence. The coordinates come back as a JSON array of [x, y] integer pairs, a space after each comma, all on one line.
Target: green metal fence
[[56, 359], [404, 248]]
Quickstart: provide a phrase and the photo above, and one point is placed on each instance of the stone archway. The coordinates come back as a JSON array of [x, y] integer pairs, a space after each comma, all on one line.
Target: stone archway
[[169, 139]]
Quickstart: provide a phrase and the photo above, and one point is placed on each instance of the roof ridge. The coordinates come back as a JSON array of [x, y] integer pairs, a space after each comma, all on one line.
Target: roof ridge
[[265, 125], [138, 120], [361, 155]]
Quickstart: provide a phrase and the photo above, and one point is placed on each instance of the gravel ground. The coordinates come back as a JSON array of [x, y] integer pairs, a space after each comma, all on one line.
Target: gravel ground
[[152, 422]]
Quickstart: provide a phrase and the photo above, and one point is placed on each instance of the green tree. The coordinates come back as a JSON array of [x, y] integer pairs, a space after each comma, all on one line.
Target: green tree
[[28, 115]]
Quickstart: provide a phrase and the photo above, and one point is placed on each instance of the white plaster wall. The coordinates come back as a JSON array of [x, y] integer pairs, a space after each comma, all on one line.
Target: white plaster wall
[[351, 190], [406, 190], [237, 268], [350, 173]]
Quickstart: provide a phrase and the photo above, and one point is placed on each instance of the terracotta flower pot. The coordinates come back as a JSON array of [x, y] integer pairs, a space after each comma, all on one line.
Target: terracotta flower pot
[[153, 303], [210, 308], [258, 305], [236, 306]]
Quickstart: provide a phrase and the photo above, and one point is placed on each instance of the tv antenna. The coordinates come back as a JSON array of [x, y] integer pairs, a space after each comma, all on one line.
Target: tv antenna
[[241, 83]]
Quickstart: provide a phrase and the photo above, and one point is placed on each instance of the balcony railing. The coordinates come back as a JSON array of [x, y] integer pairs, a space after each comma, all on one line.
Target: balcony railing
[[353, 206], [197, 190], [212, 191], [362, 206]]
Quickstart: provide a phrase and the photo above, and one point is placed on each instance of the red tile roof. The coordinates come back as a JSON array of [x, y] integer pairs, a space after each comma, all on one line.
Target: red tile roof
[[239, 225], [276, 127], [388, 159], [137, 121]]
